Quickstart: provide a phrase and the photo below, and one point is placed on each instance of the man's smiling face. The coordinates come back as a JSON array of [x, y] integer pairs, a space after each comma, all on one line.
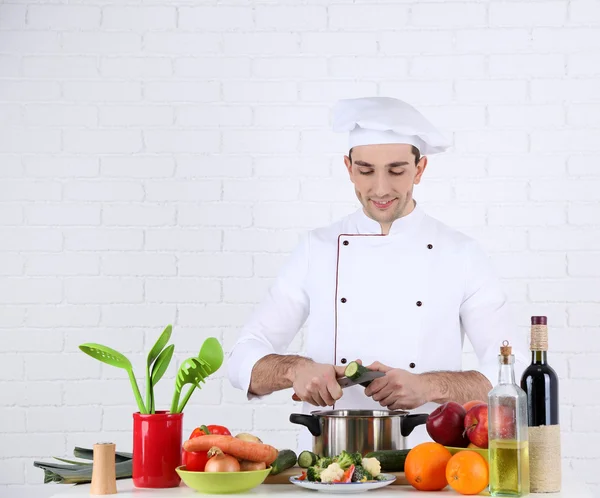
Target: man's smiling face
[[383, 176]]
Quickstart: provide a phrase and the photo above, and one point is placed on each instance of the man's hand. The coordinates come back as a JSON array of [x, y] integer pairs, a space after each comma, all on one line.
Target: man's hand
[[316, 383], [398, 389]]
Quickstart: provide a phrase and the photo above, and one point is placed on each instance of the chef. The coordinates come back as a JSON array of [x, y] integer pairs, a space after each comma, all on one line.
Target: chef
[[388, 285]]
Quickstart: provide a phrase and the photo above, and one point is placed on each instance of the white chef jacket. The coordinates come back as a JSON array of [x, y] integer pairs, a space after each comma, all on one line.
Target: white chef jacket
[[405, 299]]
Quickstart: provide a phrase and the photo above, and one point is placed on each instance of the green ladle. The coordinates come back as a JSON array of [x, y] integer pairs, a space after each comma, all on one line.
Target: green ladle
[[192, 371], [114, 358]]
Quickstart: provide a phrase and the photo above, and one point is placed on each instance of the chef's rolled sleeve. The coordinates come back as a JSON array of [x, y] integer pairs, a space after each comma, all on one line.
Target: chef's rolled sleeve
[[276, 320]]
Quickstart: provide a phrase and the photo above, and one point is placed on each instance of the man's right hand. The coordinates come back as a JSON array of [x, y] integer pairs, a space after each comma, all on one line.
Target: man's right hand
[[316, 383]]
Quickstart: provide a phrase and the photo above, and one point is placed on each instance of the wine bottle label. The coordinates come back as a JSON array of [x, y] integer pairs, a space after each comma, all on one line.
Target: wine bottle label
[[544, 459], [539, 338]]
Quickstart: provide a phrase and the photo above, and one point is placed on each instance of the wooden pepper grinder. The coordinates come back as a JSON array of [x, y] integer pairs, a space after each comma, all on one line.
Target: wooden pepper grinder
[[104, 481]]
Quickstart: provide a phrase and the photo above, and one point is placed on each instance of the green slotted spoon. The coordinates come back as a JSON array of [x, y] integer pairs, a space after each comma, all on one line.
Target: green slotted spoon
[[192, 371], [114, 358]]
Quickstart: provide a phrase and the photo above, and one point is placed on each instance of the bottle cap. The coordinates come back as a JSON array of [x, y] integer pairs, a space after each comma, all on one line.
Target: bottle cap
[[506, 349], [539, 320]]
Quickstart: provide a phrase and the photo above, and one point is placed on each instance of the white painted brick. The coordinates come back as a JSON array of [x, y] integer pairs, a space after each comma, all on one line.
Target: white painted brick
[[30, 190], [365, 17], [213, 67], [181, 91], [291, 18], [538, 116], [259, 141], [527, 165], [49, 419], [19, 445], [14, 139], [583, 315], [527, 215], [142, 264], [62, 214], [13, 16], [61, 366], [326, 191], [140, 215], [584, 64], [259, 91], [557, 319], [62, 264], [584, 165], [137, 18], [289, 67], [104, 290], [144, 315], [215, 215], [282, 215], [183, 190], [537, 14], [451, 165], [218, 18], [11, 114], [418, 92], [247, 290], [380, 68], [456, 215], [583, 264], [213, 166], [254, 190], [565, 190], [268, 265], [30, 239], [103, 239], [273, 418], [562, 39], [137, 167], [102, 91], [413, 41], [31, 290], [136, 115], [117, 418], [343, 43], [12, 316], [573, 290], [31, 91], [183, 239], [491, 141], [102, 141], [56, 115], [499, 239], [527, 65], [492, 41], [215, 315], [11, 264], [11, 215], [565, 239], [13, 419], [579, 369], [103, 190], [587, 467], [13, 470], [291, 166], [584, 12], [330, 91], [450, 66], [324, 142], [113, 42], [28, 42], [135, 67], [449, 15], [569, 90], [175, 141], [216, 265], [122, 439], [213, 115], [12, 367], [60, 166], [95, 392], [259, 241], [580, 445], [260, 44], [61, 316], [236, 418], [182, 290], [584, 115], [170, 43], [584, 214], [10, 65], [63, 17], [431, 191], [491, 91], [585, 393], [530, 265], [59, 67]]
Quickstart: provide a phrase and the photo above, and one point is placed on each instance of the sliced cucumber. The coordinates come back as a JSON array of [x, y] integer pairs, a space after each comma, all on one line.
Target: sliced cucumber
[[307, 459], [354, 370]]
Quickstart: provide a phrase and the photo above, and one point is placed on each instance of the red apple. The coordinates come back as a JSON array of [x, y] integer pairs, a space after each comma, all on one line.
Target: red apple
[[504, 422], [476, 425], [470, 404], [446, 425]]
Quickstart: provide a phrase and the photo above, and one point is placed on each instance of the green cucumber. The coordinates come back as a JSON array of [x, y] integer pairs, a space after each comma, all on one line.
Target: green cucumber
[[307, 459], [354, 370], [390, 460], [286, 459]]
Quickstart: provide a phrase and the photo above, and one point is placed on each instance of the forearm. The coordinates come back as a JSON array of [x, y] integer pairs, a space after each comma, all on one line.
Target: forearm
[[274, 372], [457, 386]]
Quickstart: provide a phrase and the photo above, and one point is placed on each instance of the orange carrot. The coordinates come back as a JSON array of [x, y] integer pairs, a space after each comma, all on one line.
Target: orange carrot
[[244, 450]]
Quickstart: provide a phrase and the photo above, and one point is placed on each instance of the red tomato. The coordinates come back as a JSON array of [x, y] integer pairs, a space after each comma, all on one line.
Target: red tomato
[[194, 460], [219, 430]]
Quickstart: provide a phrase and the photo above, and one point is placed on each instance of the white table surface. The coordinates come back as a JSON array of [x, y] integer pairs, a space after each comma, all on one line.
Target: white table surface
[[126, 489]]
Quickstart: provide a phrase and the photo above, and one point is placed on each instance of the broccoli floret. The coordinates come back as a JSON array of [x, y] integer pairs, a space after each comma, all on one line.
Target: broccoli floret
[[314, 473], [324, 462], [344, 459], [357, 458], [361, 474], [381, 477]]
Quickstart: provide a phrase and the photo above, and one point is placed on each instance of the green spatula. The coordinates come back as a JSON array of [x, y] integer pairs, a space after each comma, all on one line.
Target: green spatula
[[114, 358], [152, 356]]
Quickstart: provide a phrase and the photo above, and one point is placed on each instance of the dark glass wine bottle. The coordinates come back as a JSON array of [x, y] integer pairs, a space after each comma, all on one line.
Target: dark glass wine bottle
[[540, 383]]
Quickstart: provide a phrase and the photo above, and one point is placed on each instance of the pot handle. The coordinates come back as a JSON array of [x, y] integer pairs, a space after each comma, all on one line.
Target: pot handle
[[410, 421], [312, 423]]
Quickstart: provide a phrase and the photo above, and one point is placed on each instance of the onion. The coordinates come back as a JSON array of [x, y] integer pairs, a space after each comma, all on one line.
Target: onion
[[248, 465], [245, 436], [220, 462]]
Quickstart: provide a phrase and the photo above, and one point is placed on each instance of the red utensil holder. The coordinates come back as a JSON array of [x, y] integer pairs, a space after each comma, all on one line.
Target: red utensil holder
[[157, 444]]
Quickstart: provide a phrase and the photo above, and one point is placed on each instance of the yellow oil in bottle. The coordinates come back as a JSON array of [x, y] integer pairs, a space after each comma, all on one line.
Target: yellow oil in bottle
[[509, 467]]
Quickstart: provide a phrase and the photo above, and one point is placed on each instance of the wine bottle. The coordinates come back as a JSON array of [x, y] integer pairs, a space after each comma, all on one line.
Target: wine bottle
[[540, 383]]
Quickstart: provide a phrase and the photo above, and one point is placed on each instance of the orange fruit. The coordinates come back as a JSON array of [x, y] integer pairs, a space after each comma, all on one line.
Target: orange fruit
[[467, 473], [425, 466]]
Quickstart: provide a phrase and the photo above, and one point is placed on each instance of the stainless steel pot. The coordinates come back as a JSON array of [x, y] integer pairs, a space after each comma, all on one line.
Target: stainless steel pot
[[358, 430]]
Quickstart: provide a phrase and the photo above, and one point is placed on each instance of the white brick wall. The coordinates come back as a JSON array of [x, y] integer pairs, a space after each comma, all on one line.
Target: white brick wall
[[146, 148]]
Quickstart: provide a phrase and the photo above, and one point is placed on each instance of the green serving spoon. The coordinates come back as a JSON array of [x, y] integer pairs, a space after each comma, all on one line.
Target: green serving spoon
[[159, 368], [212, 353], [114, 358], [192, 371], [152, 356]]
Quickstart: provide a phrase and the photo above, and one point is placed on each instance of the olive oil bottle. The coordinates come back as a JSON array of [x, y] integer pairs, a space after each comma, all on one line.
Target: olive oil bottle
[[508, 432]]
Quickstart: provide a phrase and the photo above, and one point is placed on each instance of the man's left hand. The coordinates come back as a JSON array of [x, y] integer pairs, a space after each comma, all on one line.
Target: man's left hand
[[398, 389]]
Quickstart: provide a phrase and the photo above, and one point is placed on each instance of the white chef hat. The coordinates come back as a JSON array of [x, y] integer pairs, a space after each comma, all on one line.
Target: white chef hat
[[384, 120]]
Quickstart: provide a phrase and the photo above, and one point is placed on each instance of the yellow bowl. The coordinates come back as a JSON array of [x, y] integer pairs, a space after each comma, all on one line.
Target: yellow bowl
[[483, 452], [223, 482]]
